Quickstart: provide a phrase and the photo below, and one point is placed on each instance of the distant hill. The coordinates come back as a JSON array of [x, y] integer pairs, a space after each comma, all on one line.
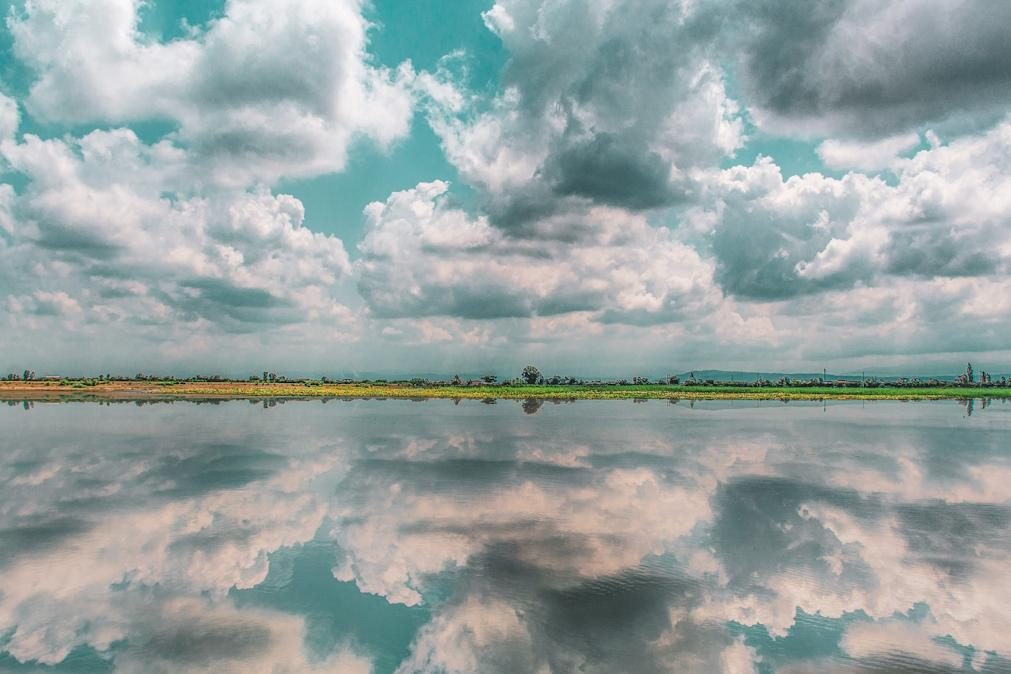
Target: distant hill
[[738, 375]]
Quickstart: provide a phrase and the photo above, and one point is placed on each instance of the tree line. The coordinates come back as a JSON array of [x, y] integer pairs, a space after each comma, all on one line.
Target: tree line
[[531, 375]]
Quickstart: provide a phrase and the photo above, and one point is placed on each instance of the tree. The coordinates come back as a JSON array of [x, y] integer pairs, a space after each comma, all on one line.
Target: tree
[[531, 374], [968, 373], [489, 379]]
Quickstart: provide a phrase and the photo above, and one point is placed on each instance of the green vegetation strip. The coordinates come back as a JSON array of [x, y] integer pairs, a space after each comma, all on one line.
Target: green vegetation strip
[[184, 390]]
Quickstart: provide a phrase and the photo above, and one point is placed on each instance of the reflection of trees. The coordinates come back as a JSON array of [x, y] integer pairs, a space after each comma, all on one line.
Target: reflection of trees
[[532, 405], [27, 404]]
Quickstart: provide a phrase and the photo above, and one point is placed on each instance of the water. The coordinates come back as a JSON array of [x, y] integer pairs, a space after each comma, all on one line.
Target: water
[[398, 536]]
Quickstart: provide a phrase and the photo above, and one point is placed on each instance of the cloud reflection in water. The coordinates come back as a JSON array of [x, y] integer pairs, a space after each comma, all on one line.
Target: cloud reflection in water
[[431, 537]]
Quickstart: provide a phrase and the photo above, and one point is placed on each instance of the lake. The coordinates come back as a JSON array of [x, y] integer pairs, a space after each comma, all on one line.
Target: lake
[[593, 536]]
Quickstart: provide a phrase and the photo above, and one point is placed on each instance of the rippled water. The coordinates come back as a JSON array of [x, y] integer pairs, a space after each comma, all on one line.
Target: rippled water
[[383, 536]]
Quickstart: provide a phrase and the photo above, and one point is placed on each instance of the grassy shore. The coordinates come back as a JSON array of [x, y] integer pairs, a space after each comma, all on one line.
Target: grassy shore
[[168, 390]]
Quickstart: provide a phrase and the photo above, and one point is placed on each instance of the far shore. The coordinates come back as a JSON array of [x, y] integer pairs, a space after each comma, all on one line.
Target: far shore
[[208, 390]]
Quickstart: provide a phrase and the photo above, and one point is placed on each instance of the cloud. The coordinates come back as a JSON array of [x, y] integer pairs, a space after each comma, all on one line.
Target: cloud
[[863, 68], [268, 89], [421, 256], [194, 637], [866, 156], [110, 229], [55, 303], [778, 238], [609, 104]]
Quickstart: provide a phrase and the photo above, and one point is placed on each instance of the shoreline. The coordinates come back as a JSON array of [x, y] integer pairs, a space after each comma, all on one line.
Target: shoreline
[[41, 391]]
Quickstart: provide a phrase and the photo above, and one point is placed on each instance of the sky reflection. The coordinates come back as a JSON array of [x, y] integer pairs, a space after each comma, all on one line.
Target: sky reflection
[[395, 536]]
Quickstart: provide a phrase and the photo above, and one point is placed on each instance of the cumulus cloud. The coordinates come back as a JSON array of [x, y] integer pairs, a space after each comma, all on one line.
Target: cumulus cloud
[[876, 265], [100, 233], [866, 68], [610, 104], [268, 89], [421, 256], [588, 130], [945, 217]]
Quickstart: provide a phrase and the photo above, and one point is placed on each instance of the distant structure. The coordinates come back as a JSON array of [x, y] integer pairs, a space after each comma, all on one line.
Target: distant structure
[[968, 378]]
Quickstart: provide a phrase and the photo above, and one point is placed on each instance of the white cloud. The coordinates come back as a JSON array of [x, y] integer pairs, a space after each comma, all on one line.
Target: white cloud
[[866, 156], [269, 89], [105, 237], [945, 217], [422, 256]]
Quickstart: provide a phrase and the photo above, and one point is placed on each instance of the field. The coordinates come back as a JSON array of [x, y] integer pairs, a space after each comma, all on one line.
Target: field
[[169, 390]]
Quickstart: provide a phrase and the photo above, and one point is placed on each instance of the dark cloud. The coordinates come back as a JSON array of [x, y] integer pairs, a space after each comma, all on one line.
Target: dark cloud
[[610, 104], [35, 535], [864, 68], [763, 517], [938, 252], [758, 250], [612, 621], [955, 537], [199, 641], [472, 300], [212, 468], [471, 474], [219, 299], [219, 291], [76, 243], [606, 170]]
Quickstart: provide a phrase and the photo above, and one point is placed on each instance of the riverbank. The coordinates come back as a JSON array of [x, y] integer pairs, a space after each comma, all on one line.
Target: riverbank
[[169, 390]]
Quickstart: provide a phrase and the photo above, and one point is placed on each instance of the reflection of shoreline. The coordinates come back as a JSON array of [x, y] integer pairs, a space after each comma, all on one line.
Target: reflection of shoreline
[[531, 405]]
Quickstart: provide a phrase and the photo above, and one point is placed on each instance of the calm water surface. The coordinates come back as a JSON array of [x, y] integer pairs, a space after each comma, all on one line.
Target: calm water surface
[[398, 536]]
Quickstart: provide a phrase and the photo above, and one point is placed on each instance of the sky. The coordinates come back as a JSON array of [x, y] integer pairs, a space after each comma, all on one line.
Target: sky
[[598, 187]]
